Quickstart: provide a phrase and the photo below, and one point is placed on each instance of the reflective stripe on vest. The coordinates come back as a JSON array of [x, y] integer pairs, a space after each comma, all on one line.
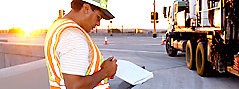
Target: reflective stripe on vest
[[52, 38]]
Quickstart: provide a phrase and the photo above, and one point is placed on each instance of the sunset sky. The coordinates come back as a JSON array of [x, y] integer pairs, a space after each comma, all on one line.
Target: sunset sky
[[39, 14]]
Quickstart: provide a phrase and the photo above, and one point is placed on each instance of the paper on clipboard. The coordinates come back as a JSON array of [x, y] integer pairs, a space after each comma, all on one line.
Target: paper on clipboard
[[132, 73]]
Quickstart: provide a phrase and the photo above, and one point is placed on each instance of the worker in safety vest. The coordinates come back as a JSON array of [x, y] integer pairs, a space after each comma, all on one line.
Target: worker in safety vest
[[73, 59]]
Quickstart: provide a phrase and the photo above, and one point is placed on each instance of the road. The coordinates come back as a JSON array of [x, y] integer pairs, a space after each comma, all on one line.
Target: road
[[169, 72]]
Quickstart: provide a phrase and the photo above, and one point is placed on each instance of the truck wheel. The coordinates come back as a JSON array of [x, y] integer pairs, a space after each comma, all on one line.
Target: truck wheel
[[171, 51], [190, 55], [202, 65]]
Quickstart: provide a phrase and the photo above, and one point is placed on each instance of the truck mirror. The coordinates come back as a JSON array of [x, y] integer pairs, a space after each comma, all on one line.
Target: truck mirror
[[164, 12]]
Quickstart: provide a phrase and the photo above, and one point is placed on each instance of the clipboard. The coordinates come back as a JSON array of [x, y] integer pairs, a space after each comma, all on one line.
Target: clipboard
[[132, 73]]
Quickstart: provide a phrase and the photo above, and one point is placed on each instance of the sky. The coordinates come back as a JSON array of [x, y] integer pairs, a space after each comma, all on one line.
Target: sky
[[40, 14]]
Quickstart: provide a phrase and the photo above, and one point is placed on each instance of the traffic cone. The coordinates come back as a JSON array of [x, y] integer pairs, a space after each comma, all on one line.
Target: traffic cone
[[106, 41], [163, 40]]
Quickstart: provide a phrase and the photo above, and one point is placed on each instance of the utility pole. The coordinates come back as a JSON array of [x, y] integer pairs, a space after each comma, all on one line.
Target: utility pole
[[95, 29], [154, 35], [61, 13], [111, 29], [122, 28]]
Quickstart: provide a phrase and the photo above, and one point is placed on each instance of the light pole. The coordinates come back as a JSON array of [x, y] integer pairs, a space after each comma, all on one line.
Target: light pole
[[122, 28], [111, 29], [154, 35]]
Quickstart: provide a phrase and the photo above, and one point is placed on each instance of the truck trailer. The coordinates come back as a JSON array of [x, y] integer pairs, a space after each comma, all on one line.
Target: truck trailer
[[207, 31]]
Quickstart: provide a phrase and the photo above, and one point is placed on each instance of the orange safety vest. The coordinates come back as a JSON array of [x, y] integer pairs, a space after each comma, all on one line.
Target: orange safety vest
[[52, 61]]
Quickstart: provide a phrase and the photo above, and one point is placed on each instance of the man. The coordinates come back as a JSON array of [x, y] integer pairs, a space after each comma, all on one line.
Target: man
[[73, 59]]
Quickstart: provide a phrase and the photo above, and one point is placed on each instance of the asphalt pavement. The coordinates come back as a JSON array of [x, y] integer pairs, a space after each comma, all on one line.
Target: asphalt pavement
[[169, 72]]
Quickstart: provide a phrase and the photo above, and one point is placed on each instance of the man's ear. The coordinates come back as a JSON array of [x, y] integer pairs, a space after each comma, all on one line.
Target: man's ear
[[86, 8]]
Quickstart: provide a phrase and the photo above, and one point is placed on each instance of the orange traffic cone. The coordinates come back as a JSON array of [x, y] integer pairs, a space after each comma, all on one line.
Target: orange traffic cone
[[163, 40], [106, 41]]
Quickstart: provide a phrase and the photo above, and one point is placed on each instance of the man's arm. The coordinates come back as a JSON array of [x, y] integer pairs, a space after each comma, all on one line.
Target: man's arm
[[108, 69]]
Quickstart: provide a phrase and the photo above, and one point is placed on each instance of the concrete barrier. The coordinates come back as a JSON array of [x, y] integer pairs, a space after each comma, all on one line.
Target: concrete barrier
[[32, 75], [121, 34], [91, 34], [127, 34], [12, 54], [3, 40], [12, 35]]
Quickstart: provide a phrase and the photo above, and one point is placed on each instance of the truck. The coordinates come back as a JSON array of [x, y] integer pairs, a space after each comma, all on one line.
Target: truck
[[207, 31]]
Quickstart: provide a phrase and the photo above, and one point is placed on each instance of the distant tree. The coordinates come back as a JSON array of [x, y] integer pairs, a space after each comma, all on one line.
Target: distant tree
[[16, 30]]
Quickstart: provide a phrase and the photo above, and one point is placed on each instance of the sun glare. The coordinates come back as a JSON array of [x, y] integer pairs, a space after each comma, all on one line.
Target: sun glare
[[44, 12]]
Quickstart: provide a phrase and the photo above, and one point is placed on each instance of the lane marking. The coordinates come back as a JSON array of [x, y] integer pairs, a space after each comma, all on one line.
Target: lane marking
[[122, 50]]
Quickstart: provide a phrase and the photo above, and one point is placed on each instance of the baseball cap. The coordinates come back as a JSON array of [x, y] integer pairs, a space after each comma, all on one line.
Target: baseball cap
[[102, 4]]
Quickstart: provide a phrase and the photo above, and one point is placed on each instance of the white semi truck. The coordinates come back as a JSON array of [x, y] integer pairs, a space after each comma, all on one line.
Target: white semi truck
[[207, 31]]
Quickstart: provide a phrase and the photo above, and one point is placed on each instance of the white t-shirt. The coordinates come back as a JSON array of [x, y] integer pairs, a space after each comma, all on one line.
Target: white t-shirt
[[74, 52]]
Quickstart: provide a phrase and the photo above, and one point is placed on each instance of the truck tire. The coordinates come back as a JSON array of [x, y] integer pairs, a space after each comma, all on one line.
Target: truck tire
[[202, 65], [171, 51], [190, 55]]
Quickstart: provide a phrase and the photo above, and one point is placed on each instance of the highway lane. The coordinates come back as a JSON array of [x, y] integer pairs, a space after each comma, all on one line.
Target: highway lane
[[169, 72]]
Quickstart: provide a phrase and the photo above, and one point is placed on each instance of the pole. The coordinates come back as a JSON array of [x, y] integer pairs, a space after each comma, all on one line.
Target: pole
[[111, 29], [122, 28], [108, 28], [154, 35]]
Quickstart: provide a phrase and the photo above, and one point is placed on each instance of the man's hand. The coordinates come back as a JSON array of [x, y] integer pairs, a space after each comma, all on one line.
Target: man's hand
[[109, 66], [108, 69]]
